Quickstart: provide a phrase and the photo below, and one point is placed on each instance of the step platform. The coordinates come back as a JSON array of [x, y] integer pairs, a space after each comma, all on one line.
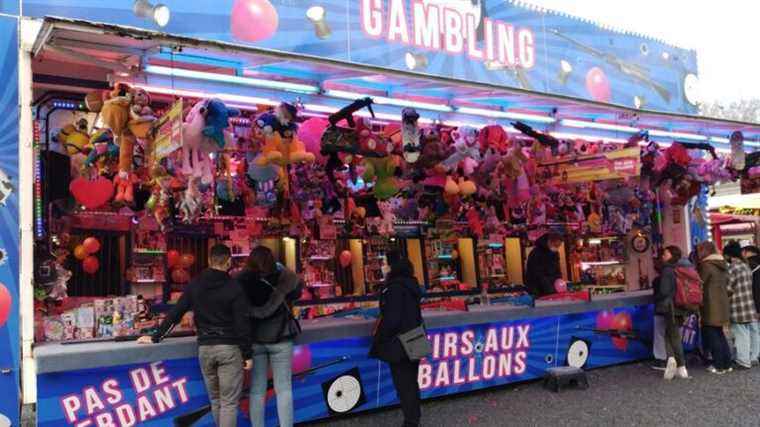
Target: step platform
[[563, 377]]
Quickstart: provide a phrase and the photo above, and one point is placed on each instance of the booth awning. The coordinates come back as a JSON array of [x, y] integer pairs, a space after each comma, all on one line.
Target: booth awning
[[163, 62]]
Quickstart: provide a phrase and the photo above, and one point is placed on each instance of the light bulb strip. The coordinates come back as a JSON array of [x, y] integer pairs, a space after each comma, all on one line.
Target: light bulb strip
[[38, 211]]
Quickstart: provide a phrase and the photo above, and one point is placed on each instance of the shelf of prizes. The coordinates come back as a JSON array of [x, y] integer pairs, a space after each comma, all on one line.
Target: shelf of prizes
[[141, 176]]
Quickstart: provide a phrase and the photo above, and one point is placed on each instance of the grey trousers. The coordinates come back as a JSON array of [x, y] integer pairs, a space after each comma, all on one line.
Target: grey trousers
[[222, 368]]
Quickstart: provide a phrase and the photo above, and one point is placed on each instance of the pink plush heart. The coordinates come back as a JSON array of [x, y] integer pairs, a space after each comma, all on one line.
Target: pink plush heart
[[91, 193]]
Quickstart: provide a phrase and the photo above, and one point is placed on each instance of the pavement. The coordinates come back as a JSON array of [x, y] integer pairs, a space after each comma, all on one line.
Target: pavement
[[626, 395]]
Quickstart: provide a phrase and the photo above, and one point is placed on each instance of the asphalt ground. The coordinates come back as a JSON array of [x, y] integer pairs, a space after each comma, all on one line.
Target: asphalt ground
[[626, 395]]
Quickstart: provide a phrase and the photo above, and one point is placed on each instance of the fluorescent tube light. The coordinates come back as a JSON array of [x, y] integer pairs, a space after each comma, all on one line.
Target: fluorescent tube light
[[601, 126], [226, 97], [719, 140], [389, 101], [682, 135], [225, 78], [506, 115], [591, 138]]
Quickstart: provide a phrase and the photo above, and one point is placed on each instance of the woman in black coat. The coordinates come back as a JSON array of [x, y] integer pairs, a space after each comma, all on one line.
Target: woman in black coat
[[400, 312]]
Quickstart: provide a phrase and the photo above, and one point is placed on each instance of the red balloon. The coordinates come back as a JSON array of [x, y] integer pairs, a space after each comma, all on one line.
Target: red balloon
[[91, 245], [604, 320], [253, 20], [560, 286], [345, 258], [301, 358], [597, 85], [90, 265], [187, 260], [172, 258], [5, 304], [622, 322], [180, 275], [620, 343], [80, 252]]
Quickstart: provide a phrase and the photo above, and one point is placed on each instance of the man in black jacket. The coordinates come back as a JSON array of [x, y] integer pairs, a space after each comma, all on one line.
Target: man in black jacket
[[543, 265], [752, 255], [220, 311]]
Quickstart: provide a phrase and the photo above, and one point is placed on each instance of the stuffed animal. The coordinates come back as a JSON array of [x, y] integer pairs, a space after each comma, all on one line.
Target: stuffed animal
[[738, 157], [195, 159], [388, 217], [410, 134], [103, 153], [125, 188], [116, 107], [475, 222], [493, 137], [216, 120], [190, 205], [513, 168], [381, 171], [466, 151], [74, 137], [141, 116]]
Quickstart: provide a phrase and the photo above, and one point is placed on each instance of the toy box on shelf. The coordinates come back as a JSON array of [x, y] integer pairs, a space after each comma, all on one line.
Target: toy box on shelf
[[491, 257], [376, 261], [442, 259], [599, 264], [319, 266]]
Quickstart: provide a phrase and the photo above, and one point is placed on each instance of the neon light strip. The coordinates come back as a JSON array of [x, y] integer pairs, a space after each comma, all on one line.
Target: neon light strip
[[591, 138], [248, 101], [600, 126], [38, 212], [225, 78], [506, 115], [665, 134], [389, 101]]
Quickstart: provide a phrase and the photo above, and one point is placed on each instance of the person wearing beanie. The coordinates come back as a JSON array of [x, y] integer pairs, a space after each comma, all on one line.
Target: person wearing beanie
[[744, 325]]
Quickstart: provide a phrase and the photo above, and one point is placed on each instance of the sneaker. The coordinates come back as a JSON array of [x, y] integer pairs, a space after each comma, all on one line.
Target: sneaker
[[741, 367], [718, 371], [682, 373], [658, 365], [670, 369], [755, 363], [712, 369]]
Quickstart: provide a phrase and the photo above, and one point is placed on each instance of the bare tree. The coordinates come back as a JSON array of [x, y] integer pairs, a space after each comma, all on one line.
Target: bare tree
[[745, 110]]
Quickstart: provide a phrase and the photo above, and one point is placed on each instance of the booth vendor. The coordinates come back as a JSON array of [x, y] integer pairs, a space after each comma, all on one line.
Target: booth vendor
[[543, 265]]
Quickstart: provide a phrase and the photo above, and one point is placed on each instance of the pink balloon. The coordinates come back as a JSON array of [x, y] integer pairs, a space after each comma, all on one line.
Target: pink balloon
[[253, 20], [345, 258], [560, 286], [620, 343], [604, 320], [310, 133], [5, 304], [301, 358], [597, 85]]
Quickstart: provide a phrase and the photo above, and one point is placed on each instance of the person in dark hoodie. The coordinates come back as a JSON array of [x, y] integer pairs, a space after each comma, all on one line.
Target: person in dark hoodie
[[220, 312], [752, 255], [271, 288], [664, 297], [400, 312], [715, 312], [543, 265]]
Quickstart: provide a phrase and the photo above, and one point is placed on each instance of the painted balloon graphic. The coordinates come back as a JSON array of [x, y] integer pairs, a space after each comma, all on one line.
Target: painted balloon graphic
[[253, 20], [622, 323], [301, 358], [5, 304], [597, 85], [604, 320]]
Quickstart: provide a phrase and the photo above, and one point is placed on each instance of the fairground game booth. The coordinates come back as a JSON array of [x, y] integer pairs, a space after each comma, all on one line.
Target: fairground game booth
[[333, 134]]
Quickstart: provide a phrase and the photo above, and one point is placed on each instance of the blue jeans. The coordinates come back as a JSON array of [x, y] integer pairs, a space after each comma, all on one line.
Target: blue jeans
[[747, 341], [280, 356]]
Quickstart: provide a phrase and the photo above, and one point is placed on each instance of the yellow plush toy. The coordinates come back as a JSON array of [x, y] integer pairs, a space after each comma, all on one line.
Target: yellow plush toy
[[283, 151], [74, 137]]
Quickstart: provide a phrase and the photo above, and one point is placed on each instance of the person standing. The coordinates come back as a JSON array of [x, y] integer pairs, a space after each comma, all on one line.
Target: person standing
[[270, 288], [743, 314], [400, 312], [543, 269], [752, 255], [674, 317], [220, 312], [715, 312], [658, 338]]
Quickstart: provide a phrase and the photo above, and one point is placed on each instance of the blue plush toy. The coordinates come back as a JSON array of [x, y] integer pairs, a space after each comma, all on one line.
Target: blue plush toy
[[217, 120]]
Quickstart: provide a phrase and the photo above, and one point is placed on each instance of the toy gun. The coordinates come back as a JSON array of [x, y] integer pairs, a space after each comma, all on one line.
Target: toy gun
[[615, 333], [543, 138], [700, 146], [637, 72], [190, 418], [348, 111]]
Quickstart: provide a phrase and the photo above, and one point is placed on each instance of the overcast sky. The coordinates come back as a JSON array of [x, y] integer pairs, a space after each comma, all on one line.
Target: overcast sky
[[725, 33]]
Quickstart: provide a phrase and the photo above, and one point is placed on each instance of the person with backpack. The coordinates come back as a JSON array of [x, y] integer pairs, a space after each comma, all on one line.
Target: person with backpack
[[400, 312], [220, 312], [664, 297], [271, 288], [715, 312], [744, 325]]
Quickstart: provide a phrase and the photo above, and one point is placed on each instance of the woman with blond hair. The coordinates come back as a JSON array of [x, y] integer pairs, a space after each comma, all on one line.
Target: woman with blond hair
[[715, 312]]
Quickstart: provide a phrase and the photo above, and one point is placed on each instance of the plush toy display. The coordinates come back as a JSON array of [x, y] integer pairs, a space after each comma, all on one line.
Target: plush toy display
[[466, 151], [195, 154], [216, 119], [410, 134], [74, 137], [381, 171]]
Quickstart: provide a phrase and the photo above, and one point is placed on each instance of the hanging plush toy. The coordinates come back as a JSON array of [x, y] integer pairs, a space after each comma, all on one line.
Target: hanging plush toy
[[190, 205], [466, 151], [493, 137], [514, 169], [74, 137], [410, 134], [217, 120], [195, 160], [282, 146], [381, 171], [738, 158], [388, 217]]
